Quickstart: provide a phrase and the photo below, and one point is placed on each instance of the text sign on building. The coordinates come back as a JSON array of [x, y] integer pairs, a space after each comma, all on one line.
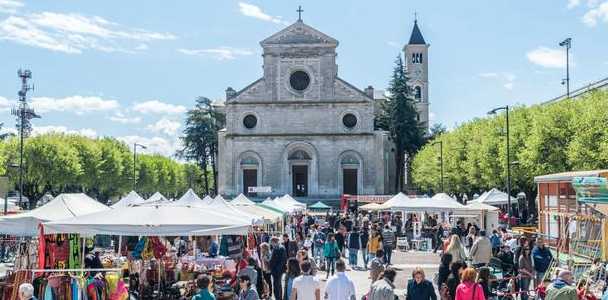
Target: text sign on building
[[259, 189]]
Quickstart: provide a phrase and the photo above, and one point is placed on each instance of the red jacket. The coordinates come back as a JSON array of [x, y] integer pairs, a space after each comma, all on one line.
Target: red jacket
[[465, 290]]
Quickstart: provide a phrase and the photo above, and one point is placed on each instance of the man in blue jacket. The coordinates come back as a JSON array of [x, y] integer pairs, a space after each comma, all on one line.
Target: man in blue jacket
[[278, 264], [542, 257]]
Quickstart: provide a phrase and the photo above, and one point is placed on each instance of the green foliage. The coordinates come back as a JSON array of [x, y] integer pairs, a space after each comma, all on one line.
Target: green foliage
[[102, 168], [567, 135], [200, 139], [398, 115]]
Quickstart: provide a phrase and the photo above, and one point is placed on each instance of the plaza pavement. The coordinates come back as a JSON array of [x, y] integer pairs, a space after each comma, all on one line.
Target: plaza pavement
[[403, 262]]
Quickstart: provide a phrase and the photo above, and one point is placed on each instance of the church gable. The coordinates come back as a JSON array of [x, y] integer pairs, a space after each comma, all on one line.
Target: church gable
[[344, 91], [299, 33], [256, 91]]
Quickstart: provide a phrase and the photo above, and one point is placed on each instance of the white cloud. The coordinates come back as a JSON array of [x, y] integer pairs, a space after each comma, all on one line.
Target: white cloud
[[5, 104], [488, 75], [121, 118], [75, 33], [76, 104], [142, 47], [393, 44], [596, 15], [254, 11], [573, 3], [156, 144], [158, 107], [165, 126], [547, 57], [220, 53], [505, 77], [88, 132], [10, 6]]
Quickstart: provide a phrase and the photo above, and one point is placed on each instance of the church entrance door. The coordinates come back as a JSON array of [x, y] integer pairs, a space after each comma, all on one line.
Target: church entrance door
[[349, 181], [250, 178], [299, 180]]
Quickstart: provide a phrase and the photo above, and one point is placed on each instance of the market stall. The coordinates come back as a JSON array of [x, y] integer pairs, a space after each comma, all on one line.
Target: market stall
[[494, 197], [62, 207], [156, 198], [11, 206], [219, 204], [190, 198], [132, 198], [487, 215]]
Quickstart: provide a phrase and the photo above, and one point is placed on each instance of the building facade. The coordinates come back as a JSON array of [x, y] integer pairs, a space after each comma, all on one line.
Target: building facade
[[301, 129]]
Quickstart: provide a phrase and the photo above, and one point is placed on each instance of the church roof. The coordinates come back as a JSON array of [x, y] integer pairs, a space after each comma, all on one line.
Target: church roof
[[416, 37], [299, 33]]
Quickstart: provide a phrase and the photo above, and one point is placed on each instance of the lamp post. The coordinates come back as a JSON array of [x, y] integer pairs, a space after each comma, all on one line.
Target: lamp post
[[9, 166], [135, 145], [440, 160], [509, 209], [567, 43]]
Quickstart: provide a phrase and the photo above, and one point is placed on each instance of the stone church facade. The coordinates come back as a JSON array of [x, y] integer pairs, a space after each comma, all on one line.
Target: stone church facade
[[301, 129]]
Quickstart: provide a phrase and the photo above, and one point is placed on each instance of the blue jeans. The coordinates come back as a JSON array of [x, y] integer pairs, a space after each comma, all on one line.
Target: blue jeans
[[364, 253], [524, 285], [319, 253], [388, 253], [330, 265], [352, 256]]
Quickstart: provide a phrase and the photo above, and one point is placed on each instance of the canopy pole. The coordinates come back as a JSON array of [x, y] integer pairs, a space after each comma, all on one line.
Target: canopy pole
[[82, 251], [120, 245]]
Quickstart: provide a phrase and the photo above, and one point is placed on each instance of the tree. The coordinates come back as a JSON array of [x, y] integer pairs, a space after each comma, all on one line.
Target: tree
[[200, 139], [400, 119], [436, 130]]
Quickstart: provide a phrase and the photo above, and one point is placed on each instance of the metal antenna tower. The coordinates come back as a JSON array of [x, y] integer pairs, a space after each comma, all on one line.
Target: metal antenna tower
[[24, 114]]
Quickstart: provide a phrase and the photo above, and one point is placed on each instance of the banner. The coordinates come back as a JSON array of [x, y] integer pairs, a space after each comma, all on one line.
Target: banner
[[591, 189]]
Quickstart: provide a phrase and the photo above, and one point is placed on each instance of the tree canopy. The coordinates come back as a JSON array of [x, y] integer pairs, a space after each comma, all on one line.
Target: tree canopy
[[564, 136], [103, 168]]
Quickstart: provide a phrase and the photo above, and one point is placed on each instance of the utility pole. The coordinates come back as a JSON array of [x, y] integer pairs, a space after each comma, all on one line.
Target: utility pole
[[567, 43], [509, 208], [24, 114], [135, 145]]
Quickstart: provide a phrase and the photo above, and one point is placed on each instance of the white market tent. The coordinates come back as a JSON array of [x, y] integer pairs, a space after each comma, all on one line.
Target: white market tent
[[443, 197], [287, 199], [189, 199], [161, 220], [157, 198], [11, 206], [63, 207], [487, 214], [241, 200], [494, 197], [371, 206], [132, 198], [401, 202], [244, 204], [271, 204], [219, 204]]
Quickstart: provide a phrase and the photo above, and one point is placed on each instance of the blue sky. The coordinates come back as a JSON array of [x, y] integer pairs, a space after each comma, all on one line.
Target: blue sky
[[130, 69]]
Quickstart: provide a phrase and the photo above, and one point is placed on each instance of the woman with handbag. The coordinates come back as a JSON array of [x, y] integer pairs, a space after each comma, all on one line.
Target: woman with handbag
[[469, 289]]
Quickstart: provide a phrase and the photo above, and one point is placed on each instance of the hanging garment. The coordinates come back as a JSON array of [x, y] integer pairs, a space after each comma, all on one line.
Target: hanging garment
[[139, 248], [224, 245], [74, 254]]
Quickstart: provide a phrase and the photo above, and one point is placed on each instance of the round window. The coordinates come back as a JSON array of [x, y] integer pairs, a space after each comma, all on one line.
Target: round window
[[299, 80], [250, 121], [349, 120]]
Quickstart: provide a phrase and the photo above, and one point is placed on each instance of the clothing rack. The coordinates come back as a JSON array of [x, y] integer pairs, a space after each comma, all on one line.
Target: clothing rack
[[34, 271]]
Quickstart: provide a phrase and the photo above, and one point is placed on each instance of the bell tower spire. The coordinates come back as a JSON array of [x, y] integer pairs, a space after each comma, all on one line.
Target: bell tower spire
[[416, 63]]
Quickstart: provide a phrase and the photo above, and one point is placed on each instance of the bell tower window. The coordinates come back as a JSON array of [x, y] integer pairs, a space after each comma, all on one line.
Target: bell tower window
[[416, 58], [417, 93]]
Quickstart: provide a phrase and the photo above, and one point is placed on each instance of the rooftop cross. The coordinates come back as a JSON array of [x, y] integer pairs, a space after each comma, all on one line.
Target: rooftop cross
[[300, 10]]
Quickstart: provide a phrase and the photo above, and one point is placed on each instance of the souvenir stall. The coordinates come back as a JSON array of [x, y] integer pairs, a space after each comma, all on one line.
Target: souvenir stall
[[157, 260]]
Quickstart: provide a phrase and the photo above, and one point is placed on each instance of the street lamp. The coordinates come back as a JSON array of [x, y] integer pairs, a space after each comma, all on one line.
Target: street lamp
[[567, 43], [509, 209], [440, 160], [9, 166], [135, 145]]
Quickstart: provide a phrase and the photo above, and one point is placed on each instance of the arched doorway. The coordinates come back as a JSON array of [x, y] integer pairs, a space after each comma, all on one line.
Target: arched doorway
[[250, 171], [299, 162], [351, 166]]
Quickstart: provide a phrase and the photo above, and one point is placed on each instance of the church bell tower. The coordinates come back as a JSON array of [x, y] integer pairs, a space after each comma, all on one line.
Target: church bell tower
[[417, 68]]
